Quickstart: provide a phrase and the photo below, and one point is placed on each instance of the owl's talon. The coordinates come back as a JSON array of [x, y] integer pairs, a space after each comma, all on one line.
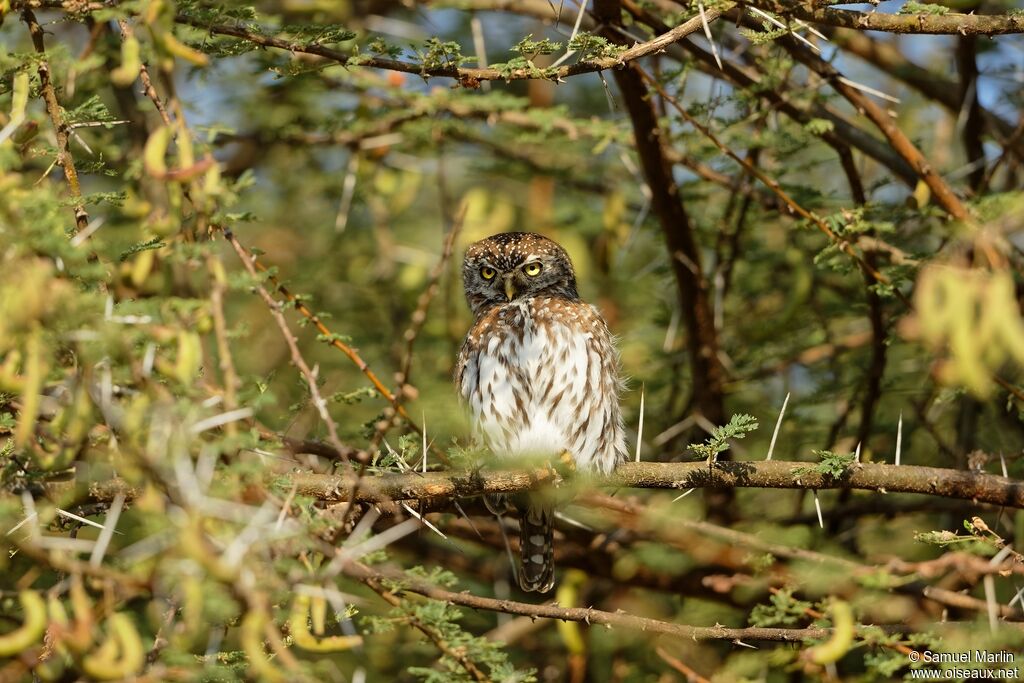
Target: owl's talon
[[564, 467]]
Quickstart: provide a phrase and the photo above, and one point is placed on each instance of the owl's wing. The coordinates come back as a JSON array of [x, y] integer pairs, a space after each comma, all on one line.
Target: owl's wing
[[468, 350], [610, 385]]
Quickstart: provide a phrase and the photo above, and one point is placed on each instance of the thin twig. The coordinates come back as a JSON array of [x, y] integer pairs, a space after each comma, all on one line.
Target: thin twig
[[592, 616], [774, 186], [60, 129], [332, 338], [297, 359]]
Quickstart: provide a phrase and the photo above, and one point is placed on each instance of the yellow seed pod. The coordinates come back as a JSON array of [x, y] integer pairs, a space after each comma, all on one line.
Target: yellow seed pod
[[10, 380], [35, 372], [32, 629], [152, 11], [299, 629], [212, 185], [190, 357], [251, 637], [1002, 305], [142, 266], [318, 614], [568, 595], [131, 63], [833, 649], [80, 638], [180, 49], [122, 658], [155, 151], [18, 105]]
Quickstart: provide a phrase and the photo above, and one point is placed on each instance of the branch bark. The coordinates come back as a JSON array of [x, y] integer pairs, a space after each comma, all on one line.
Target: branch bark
[[772, 474], [933, 24], [469, 77], [60, 128], [594, 616]]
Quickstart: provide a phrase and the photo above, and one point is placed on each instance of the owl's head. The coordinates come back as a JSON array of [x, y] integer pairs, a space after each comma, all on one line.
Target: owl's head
[[515, 265]]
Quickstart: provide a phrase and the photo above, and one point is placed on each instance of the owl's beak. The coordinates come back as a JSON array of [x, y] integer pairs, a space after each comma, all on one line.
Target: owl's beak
[[510, 289]]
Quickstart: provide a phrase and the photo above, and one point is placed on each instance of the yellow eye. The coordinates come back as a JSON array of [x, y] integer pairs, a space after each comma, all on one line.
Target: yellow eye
[[532, 269], [488, 273]]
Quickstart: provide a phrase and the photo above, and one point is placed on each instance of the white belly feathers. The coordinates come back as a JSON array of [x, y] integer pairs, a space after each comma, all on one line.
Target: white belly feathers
[[527, 387]]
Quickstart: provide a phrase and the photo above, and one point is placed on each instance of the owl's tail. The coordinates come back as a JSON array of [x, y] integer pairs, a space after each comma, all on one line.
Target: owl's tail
[[536, 546]]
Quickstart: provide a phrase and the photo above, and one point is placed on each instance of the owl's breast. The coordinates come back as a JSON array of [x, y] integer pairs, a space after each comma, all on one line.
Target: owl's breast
[[532, 380]]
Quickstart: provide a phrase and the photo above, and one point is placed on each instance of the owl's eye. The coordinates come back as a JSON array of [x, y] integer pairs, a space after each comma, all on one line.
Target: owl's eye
[[487, 273], [532, 269]]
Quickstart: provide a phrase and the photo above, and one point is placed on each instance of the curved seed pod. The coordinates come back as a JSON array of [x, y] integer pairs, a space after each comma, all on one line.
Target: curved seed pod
[[180, 49], [120, 656], [252, 643], [318, 614], [568, 595], [190, 357], [1002, 304], [155, 150], [833, 649], [131, 63], [30, 397], [299, 629], [80, 638], [31, 631], [18, 105]]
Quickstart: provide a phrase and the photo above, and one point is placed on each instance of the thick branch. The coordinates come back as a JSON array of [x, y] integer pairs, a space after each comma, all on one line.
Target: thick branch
[[948, 24], [772, 474]]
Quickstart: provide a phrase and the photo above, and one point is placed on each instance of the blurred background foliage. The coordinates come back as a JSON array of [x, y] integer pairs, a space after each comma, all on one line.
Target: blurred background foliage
[[144, 387]]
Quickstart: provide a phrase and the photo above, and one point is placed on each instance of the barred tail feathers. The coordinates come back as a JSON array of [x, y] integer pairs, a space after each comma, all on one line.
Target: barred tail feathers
[[536, 546]]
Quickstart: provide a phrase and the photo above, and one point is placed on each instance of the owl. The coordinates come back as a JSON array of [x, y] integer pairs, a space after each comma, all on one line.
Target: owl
[[539, 373]]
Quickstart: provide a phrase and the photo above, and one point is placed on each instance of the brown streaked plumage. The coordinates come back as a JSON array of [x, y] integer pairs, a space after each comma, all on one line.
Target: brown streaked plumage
[[540, 375]]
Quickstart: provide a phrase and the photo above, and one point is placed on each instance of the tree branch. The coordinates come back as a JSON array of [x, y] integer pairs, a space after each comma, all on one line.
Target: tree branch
[[594, 616], [938, 24], [943, 194], [772, 474], [60, 129], [469, 77]]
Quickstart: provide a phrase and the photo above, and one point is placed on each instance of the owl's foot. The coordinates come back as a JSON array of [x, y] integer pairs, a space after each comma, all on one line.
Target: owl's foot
[[568, 461], [564, 466]]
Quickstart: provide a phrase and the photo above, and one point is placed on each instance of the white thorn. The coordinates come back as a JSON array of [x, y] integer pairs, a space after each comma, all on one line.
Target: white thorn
[[1002, 462], [28, 518], [103, 541], [856, 455], [683, 495], [868, 90], [422, 519], [575, 30], [640, 426], [990, 600], [1017, 598], [817, 508], [222, 419], [783, 26], [899, 438], [83, 520], [778, 425], [287, 505], [707, 34], [424, 442]]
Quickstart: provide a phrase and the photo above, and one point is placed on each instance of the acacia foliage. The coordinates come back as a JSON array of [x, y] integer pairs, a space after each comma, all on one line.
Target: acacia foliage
[[146, 389]]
